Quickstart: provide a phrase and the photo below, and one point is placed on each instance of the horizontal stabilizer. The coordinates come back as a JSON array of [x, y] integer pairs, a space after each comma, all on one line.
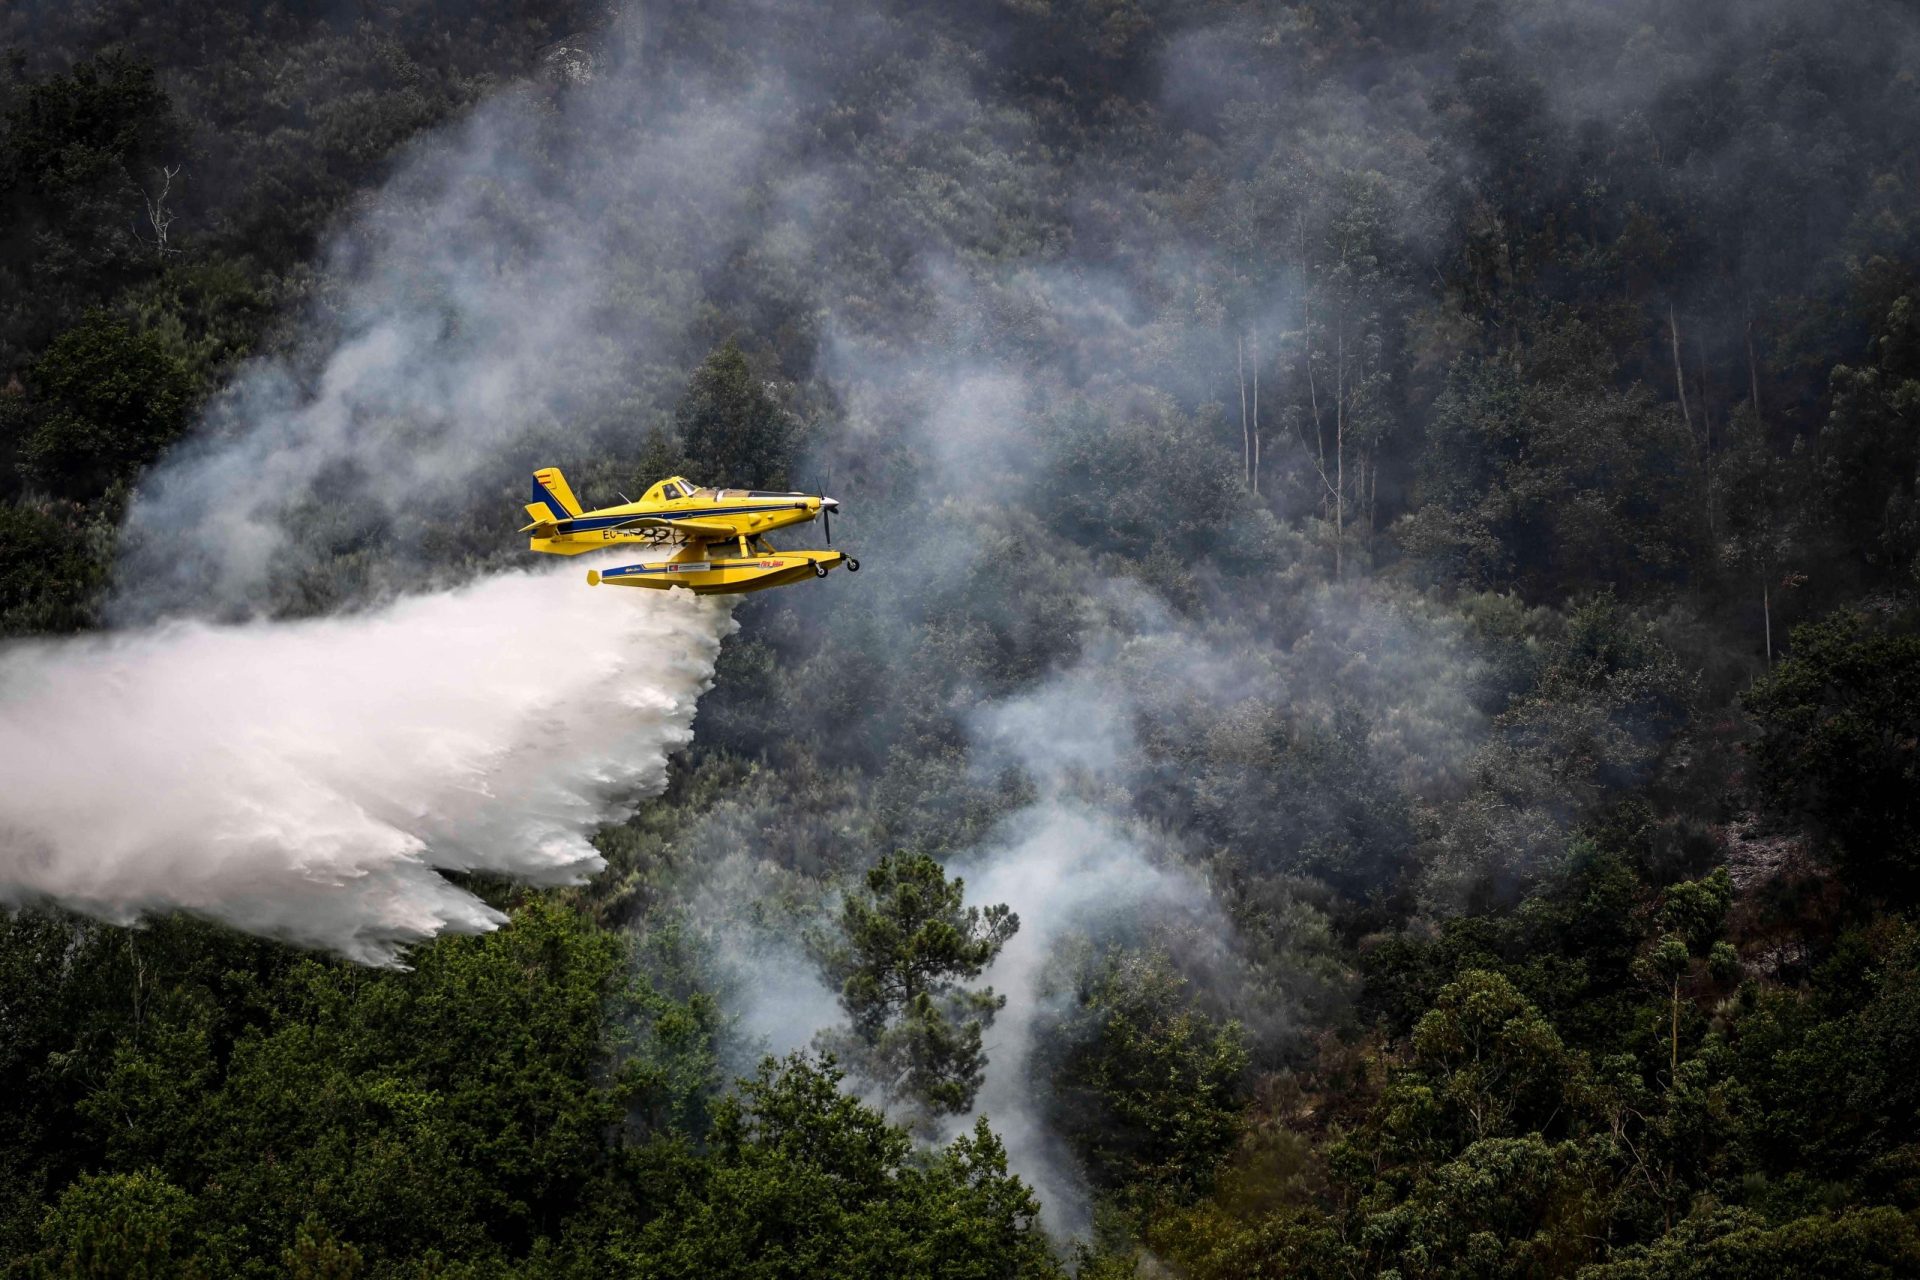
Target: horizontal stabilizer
[[544, 520]]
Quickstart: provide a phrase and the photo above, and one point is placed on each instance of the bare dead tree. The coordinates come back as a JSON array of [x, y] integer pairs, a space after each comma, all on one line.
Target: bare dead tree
[[1317, 451], [1339, 441], [1679, 380], [1246, 446], [1706, 432], [159, 216], [1766, 616], [1256, 423]]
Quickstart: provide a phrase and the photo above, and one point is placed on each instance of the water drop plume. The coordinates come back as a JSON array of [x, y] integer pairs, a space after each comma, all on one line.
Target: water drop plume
[[311, 780]]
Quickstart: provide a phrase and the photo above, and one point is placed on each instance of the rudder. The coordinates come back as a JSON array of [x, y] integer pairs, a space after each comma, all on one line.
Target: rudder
[[550, 487]]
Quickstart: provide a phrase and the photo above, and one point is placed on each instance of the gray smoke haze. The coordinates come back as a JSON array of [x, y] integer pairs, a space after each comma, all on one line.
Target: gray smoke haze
[[1082, 863], [310, 781], [1069, 866], [531, 286], [485, 311], [1066, 870]]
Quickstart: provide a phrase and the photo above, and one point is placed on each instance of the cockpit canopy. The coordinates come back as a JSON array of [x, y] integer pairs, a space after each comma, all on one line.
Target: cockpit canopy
[[670, 490]]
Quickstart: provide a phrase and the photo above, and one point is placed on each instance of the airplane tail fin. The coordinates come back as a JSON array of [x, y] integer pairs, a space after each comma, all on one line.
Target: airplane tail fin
[[550, 487], [551, 502]]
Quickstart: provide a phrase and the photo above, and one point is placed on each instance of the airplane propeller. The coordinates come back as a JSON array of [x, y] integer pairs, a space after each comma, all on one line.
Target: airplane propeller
[[827, 507]]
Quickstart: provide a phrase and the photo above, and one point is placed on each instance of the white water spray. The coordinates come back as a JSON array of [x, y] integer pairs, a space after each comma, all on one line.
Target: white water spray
[[310, 780]]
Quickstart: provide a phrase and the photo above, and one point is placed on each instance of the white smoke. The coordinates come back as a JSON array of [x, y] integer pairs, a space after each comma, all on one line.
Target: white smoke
[[310, 780], [1068, 863], [1069, 867], [479, 316]]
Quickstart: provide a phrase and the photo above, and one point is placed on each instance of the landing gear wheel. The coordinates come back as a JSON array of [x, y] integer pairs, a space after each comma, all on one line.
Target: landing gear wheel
[[853, 566], [819, 570]]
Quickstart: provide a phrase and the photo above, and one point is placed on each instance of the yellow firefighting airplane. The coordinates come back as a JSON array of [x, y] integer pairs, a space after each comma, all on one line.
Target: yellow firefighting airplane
[[719, 535]]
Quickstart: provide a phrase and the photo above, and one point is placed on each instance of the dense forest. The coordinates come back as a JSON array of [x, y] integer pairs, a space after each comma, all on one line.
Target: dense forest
[[1378, 732]]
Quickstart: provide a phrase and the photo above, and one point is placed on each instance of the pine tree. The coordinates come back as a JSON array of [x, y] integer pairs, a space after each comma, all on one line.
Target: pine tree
[[906, 944]]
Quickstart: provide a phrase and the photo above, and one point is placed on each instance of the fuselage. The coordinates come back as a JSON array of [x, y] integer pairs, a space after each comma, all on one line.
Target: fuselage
[[714, 539], [721, 514]]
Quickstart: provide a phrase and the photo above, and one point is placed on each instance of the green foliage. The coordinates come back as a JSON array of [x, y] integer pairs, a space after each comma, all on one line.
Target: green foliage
[[1541, 475], [120, 1226], [316, 1254], [104, 114], [1697, 910], [1144, 480], [665, 1038], [1870, 466], [50, 570], [1150, 1087], [1828, 1072], [735, 434], [75, 154], [1839, 724], [107, 400], [1872, 1244], [207, 313], [1494, 1066], [451, 1109], [1626, 386], [906, 943], [1507, 1207], [329, 1113], [1569, 947], [1483, 1155], [804, 1181], [1599, 721]]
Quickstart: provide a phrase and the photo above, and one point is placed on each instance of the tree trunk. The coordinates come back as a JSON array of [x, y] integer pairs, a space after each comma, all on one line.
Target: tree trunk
[[1753, 372], [1256, 424], [1370, 475], [1679, 380], [1766, 613], [1340, 450], [1240, 367], [1676, 1028], [1319, 433], [1706, 431]]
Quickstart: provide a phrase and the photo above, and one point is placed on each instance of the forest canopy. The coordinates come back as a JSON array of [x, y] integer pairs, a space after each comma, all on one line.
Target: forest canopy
[[1378, 734]]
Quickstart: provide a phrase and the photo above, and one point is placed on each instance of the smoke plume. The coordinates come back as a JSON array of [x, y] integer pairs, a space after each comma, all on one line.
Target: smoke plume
[[1064, 868]]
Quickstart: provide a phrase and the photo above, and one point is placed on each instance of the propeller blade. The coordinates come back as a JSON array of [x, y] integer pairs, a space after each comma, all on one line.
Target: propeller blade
[[827, 516]]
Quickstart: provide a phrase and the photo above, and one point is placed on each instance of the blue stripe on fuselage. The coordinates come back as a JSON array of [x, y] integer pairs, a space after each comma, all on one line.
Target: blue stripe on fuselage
[[669, 565], [587, 524]]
